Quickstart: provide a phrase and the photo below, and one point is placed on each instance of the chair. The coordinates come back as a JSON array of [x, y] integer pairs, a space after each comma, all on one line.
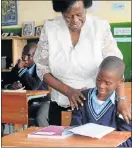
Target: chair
[[128, 91], [66, 118]]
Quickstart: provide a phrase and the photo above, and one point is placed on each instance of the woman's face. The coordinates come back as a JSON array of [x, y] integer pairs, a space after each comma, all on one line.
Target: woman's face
[[75, 16]]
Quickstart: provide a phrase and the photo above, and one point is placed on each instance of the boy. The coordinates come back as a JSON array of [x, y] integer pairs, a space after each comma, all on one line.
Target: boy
[[24, 75], [100, 106]]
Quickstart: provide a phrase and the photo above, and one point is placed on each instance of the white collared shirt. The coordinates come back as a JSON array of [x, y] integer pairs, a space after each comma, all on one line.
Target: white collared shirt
[[75, 66]]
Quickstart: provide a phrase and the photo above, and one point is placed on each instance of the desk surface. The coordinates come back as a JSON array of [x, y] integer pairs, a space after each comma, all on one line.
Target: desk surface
[[28, 92], [20, 139]]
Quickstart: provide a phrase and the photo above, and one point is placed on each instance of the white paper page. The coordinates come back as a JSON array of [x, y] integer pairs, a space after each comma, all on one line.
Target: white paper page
[[15, 90], [92, 130]]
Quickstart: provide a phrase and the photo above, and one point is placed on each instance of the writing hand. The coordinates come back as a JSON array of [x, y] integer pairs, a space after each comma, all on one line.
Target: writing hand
[[16, 85]]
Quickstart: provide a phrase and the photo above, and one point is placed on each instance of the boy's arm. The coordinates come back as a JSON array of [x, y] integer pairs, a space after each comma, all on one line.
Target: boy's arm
[[76, 117], [79, 116], [122, 125], [31, 83], [27, 80]]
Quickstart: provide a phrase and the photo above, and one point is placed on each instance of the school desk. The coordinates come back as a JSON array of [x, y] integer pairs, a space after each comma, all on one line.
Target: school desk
[[15, 106], [112, 139]]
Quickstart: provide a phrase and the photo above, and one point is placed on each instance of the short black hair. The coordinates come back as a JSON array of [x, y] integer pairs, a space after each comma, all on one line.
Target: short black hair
[[63, 5], [28, 46], [113, 63]]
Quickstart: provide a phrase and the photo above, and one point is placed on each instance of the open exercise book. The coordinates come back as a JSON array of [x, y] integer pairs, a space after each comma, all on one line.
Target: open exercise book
[[60, 132]]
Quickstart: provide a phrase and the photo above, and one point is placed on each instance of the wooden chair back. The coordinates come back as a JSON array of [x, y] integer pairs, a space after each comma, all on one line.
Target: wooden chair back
[[128, 91], [66, 118]]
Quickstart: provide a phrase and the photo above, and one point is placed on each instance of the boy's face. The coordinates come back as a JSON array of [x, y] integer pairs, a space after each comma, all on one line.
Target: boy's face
[[107, 82], [27, 56]]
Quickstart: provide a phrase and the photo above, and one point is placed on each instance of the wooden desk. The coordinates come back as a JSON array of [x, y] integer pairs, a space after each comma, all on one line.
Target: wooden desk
[[20, 139], [15, 105]]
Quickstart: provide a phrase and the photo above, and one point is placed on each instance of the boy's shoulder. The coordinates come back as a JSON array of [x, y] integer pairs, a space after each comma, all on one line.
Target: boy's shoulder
[[86, 92]]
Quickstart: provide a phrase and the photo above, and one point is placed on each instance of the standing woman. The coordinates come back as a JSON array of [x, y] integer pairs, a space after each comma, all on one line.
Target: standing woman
[[70, 50]]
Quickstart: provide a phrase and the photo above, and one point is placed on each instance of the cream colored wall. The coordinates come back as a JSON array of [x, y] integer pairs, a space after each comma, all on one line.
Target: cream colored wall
[[114, 16], [39, 11]]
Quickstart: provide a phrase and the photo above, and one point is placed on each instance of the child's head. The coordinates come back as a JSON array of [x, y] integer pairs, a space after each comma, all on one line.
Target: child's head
[[110, 75], [28, 53]]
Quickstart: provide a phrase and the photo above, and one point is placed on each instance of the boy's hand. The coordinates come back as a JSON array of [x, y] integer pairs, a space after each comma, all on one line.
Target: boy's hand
[[16, 85], [75, 96], [125, 109], [21, 63]]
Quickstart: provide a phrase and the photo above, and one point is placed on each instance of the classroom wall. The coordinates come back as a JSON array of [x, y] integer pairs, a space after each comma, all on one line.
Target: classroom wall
[[114, 16], [39, 11]]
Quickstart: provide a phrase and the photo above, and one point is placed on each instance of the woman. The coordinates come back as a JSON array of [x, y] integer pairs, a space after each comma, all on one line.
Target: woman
[[69, 52]]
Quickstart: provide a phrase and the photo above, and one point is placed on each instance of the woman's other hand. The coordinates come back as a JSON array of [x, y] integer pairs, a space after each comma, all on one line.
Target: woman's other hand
[[75, 97], [124, 108]]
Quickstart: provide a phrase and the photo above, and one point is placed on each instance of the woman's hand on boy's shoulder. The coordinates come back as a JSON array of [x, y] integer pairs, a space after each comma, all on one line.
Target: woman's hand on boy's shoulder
[[76, 97]]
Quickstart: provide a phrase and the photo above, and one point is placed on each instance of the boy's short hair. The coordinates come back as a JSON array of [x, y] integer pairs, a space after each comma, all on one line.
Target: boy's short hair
[[113, 63], [29, 46]]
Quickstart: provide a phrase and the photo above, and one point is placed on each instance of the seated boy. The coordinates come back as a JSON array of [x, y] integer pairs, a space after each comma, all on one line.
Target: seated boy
[[100, 106], [24, 75]]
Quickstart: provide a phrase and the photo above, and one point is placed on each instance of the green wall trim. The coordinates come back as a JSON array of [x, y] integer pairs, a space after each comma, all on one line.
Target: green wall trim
[[125, 48], [121, 23], [17, 30]]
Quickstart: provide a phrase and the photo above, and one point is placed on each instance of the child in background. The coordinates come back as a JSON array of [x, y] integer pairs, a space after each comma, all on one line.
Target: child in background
[[24, 75], [100, 106]]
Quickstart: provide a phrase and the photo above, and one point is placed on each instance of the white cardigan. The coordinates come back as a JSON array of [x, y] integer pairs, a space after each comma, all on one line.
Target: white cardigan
[[75, 66]]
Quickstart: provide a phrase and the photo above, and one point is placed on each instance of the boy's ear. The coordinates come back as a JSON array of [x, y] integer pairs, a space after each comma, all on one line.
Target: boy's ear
[[121, 81]]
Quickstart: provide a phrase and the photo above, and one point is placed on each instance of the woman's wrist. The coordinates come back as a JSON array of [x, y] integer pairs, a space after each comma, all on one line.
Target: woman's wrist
[[121, 92], [67, 89], [119, 98]]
